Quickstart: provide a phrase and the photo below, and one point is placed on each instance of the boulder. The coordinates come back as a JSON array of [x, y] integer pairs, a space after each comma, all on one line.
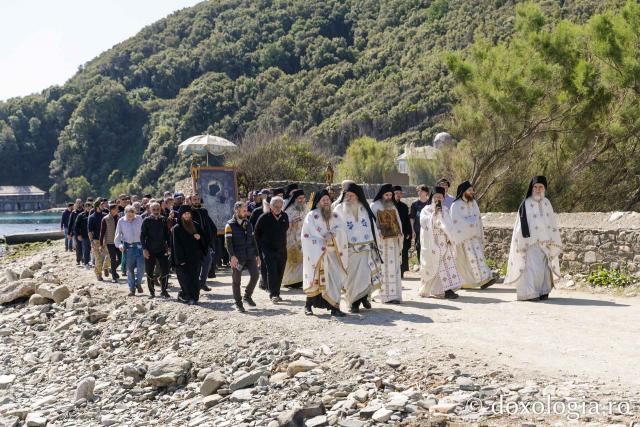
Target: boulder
[[38, 300], [35, 419], [382, 415], [12, 291], [55, 292], [212, 382], [9, 421], [212, 400], [168, 371], [6, 381]]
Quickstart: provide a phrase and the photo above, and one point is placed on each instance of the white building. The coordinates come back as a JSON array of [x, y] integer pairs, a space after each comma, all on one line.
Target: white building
[[426, 152]]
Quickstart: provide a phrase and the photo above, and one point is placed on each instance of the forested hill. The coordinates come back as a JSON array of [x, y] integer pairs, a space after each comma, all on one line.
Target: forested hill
[[329, 69]]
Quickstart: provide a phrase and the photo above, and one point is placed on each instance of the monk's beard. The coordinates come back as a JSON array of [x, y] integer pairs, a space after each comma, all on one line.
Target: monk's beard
[[538, 197], [189, 226], [353, 208], [469, 197], [388, 204], [326, 213], [299, 207]]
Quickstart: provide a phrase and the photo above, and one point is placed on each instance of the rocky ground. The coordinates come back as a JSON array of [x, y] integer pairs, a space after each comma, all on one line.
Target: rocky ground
[[77, 352]]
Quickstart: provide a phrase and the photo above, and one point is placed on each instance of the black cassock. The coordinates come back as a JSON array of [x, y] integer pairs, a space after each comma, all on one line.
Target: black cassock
[[187, 257]]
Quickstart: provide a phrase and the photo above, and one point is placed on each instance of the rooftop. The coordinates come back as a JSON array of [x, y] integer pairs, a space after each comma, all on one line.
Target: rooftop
[[20, 190]]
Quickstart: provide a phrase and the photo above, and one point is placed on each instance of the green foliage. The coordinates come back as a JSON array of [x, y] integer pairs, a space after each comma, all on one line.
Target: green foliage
[[366, 160], [610, 278], [331, 70], [423, 171], [78, 187], [263, 158], [557, 99]]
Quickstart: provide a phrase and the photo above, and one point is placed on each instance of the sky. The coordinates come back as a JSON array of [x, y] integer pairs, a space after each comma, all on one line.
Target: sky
[[42, 42]]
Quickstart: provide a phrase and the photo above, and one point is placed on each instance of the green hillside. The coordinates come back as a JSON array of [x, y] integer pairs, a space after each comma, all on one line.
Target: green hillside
[[331, 70]]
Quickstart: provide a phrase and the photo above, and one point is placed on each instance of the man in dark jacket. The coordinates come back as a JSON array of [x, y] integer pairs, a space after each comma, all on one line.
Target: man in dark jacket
[[71, 226], [81, 229], [64, 227], [154, 237], [241, 246], [271, 237], [403, 211], [187, 251], [201, 216]]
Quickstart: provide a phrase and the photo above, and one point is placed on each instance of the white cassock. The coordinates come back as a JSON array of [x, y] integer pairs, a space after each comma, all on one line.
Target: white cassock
[[467, 227], [293, 268], [437, 253], [324, 266], [363, 262], [534, 261], [391, 253]]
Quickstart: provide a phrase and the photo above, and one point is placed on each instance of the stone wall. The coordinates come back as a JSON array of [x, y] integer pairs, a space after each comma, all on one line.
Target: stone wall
[[590, 240]]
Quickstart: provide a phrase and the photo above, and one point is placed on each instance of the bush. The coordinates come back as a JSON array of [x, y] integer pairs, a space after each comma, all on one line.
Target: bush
[[610, 278], [367, 159]]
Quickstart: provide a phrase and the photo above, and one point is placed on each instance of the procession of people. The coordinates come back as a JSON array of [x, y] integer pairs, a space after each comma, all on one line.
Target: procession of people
[[334, 248]]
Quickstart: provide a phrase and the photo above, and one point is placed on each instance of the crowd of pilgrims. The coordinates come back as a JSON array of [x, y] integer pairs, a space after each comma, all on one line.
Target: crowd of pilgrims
[[334, 246]]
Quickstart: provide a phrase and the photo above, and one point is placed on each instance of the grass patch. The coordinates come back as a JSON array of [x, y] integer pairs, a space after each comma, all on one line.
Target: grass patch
[[15, 252]]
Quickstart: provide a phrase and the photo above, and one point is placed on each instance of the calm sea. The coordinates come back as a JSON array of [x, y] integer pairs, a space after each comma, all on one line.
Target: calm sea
[[11, 223]]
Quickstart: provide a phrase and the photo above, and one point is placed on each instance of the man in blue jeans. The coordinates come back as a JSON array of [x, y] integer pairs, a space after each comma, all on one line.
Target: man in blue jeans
[[128, 239]]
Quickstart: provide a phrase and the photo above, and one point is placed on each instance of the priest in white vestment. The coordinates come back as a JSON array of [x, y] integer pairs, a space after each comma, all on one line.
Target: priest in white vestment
[[467, 224], [325, 250], [439, 276], [363, 265], [296, 210], [390, 230], [535, 245]]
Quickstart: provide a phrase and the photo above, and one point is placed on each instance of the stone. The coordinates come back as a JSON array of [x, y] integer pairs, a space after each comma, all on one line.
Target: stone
[[6, 381], [427, 403], [168, 371], [361, 395], [96, 315], [53, 291], [26, 274], [394, 363], [212, 382], [443, 408], [212, 400], [11, 275], [242, 395], [301, 365], [397, 401], [313, 409], [247, 380], [382, 415], [36, 299], [84, 389], [368, 411], [10, 421], [350, 422], [319, 421], [108, 420], [292, 418], [35, 419], [590, 257], [15, 290], [135, 372], [65, 325], [35, 266], [466, 383], [278, 377]]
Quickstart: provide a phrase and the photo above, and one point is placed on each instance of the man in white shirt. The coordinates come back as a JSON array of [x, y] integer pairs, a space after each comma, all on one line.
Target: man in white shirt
[[127, 238]]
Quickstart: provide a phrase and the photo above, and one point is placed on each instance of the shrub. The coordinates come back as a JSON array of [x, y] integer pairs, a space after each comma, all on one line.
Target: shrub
[[610, 277]]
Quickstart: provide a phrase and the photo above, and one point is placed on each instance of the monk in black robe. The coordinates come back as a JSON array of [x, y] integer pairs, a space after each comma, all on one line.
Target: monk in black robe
[[189, 247]]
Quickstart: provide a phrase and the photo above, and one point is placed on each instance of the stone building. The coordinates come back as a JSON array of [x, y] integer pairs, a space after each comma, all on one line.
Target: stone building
[[23, 198]]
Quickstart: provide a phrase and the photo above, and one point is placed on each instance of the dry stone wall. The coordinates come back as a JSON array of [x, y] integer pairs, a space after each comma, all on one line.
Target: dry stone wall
[[590, 240]]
